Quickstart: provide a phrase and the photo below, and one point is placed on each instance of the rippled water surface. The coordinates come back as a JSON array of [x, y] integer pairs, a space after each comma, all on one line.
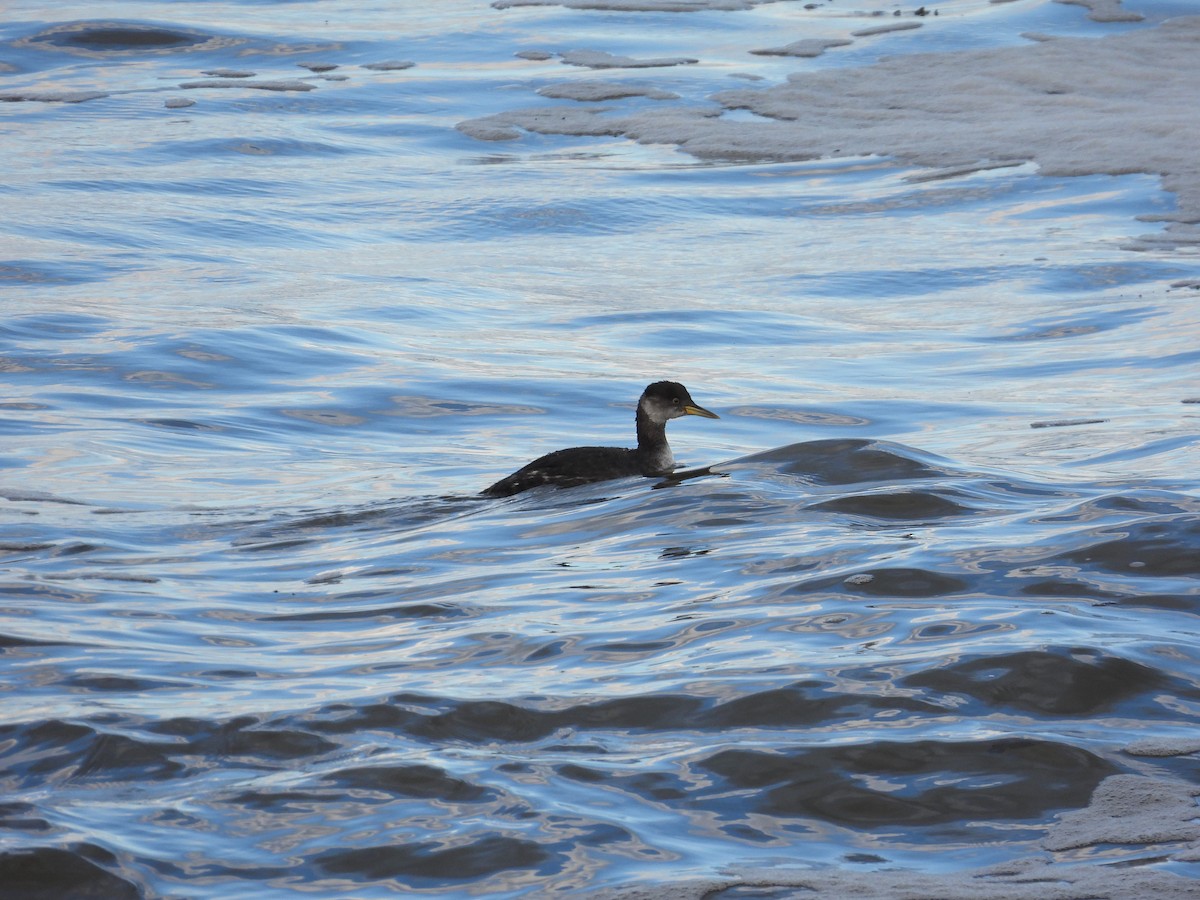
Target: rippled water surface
[[270, 322]]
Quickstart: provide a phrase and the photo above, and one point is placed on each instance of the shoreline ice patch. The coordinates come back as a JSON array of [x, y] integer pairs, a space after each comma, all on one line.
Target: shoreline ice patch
[[34, 95], [283, 84], [807, 48], [390, 65], [599, 59], [1105, 10], [593, 91], [640, 5], [885, 29], [1114, 105]]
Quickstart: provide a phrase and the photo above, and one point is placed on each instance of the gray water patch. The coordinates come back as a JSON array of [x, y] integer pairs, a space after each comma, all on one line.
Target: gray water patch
[[25, 272], [103, 39]]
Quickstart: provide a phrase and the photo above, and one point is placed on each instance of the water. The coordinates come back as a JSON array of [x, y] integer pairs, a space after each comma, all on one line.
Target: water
[[261, 637]]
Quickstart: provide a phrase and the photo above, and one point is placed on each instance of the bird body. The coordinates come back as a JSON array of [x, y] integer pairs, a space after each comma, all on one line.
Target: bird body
[[659, 403]]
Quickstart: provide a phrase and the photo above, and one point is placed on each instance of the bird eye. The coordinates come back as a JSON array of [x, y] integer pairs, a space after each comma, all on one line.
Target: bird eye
[[675, 400]]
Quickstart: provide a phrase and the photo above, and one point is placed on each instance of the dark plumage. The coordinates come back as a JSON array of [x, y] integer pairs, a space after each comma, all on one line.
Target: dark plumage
[[659, 403]]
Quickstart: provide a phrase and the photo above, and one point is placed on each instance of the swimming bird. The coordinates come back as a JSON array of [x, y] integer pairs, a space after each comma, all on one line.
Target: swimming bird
[[659, 403]]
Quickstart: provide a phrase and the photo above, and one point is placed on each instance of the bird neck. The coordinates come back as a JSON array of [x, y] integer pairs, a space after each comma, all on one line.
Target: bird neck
[[650, 434], [652, 443]]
